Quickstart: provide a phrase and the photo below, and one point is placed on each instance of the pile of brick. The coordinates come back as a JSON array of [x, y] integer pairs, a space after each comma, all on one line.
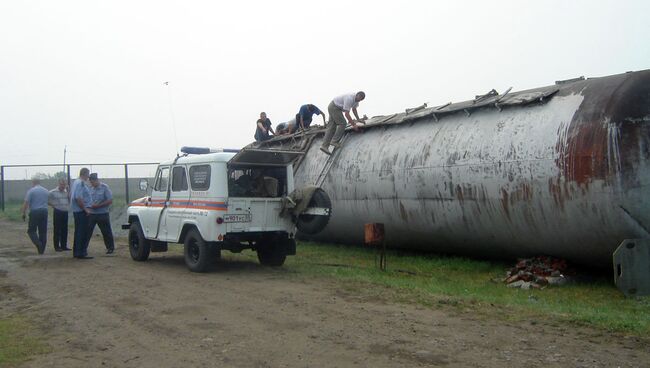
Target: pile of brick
[[537, 273]]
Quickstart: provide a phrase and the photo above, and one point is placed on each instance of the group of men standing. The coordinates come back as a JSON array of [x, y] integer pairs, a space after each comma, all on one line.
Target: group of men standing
[[89, 200], [338, 109]]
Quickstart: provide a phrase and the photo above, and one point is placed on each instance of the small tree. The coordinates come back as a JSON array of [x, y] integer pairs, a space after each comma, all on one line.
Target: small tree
[[60, 175], [41, 176]]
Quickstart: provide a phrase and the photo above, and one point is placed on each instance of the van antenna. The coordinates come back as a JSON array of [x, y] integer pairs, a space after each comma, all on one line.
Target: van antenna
[[171, 112]]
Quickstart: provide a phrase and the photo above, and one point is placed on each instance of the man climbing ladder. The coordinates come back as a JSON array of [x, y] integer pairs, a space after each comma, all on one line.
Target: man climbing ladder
[[340, 106]]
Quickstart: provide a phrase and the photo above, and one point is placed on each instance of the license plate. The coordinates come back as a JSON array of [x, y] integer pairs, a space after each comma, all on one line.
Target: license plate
[[237, 218]]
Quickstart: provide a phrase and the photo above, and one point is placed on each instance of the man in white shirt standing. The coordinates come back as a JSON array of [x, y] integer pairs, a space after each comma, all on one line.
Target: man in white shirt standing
[[341, 105], [59, 200]]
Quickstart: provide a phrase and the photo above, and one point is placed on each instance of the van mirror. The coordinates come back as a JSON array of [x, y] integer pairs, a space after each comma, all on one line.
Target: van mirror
[[144, 185]]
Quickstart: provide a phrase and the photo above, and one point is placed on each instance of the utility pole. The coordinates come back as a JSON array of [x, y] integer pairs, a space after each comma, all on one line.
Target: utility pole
[[65, 149]]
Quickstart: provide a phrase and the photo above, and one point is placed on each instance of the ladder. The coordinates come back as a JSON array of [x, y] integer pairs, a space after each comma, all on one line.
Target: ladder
[[330, 161]]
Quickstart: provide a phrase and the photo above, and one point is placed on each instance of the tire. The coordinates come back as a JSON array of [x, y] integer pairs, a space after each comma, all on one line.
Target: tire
[[311, 224], [199, 255], [139, 246], [271, 254]]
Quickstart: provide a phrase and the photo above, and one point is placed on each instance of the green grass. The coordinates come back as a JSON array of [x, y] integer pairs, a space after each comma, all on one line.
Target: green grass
[[12, 211], [18, 342], [472, 286]]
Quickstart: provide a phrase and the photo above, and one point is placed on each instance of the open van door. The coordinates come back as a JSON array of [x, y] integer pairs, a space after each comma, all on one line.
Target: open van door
[[264, 157], [257, 181]]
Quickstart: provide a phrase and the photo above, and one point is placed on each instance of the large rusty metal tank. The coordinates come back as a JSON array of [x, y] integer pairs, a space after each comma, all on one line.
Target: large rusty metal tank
[[562, 170]]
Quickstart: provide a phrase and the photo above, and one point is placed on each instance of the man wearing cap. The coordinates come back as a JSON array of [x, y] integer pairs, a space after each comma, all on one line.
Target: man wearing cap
[[339, 106], [101, 199], [79, 203], [305, 114], [36, 201], [60, 202]]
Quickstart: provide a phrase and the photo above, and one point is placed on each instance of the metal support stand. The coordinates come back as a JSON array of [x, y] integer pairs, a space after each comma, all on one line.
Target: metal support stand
[[632, 267], [382, 256], [374, 236]]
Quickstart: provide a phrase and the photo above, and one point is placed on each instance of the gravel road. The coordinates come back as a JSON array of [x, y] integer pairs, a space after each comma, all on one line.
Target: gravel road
[[114, 312]]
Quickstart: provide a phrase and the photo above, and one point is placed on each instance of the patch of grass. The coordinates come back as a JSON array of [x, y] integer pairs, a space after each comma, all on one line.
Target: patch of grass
[[12, 211], [18, 342], [472, 285]]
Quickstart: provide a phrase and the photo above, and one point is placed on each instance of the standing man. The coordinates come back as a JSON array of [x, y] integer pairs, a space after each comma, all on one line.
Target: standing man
[[36, 201], [305, 114], [263, 128], [101, 199], [59, 199], [79, 203], [339, 106]]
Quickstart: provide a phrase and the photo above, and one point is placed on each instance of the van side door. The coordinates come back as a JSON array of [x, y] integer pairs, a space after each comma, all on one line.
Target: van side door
[[150, 216], [178, 203]]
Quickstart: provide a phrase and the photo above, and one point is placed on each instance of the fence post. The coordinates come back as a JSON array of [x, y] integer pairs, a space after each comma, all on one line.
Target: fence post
[[126, 182], [69, 182], [2, 187]]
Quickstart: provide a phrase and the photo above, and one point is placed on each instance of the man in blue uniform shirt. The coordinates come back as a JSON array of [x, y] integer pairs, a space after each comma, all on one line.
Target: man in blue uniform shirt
[[36, 201], [79, 203], [101, 199]]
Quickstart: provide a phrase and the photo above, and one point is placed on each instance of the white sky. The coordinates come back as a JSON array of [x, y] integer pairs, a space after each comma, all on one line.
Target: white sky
[[89, 74]]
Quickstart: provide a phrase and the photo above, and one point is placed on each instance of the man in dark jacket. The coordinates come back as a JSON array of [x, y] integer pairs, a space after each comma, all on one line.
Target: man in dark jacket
[[263, 128]]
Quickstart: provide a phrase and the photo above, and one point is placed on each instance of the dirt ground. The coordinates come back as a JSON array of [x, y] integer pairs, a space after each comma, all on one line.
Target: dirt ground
[[114, 312]]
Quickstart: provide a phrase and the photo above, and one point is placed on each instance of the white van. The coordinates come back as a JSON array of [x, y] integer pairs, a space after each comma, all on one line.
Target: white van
[[213, 200]]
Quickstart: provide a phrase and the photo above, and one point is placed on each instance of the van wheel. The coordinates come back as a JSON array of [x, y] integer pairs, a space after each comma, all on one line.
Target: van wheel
[[311, 224], [198, 254], [271, 254], [139, 246]]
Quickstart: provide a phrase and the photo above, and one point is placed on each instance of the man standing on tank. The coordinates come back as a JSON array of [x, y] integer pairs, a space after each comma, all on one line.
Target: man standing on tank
[[340, 106], [59, 199], [36, 201], [101, 199], [263, 128], [79, 203]]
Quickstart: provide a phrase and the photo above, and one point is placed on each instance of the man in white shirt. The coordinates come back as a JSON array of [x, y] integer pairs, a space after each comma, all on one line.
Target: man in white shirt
[[340, 106], [59, 200]]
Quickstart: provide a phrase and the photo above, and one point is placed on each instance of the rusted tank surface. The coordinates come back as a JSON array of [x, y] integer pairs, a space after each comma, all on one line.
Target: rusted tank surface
[[562, 170]]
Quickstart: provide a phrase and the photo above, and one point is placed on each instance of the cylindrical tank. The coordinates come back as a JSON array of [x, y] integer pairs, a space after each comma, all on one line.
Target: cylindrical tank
[[562, 170]]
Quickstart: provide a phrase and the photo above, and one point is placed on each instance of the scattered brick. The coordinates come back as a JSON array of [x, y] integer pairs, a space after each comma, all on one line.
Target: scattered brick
[[537, 273]]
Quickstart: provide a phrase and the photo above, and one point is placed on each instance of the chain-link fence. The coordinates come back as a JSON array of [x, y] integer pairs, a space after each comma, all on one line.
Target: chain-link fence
[[122, 178]]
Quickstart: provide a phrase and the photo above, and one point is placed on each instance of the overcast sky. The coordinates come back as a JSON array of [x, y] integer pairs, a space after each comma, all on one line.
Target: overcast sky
[[89, 74]]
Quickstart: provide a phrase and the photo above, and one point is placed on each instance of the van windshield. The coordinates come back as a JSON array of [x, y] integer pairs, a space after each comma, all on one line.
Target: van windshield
[[261, 182]]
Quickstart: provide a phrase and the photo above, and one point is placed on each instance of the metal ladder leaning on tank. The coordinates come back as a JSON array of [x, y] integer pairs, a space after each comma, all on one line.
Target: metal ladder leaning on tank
[[330, 161]]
